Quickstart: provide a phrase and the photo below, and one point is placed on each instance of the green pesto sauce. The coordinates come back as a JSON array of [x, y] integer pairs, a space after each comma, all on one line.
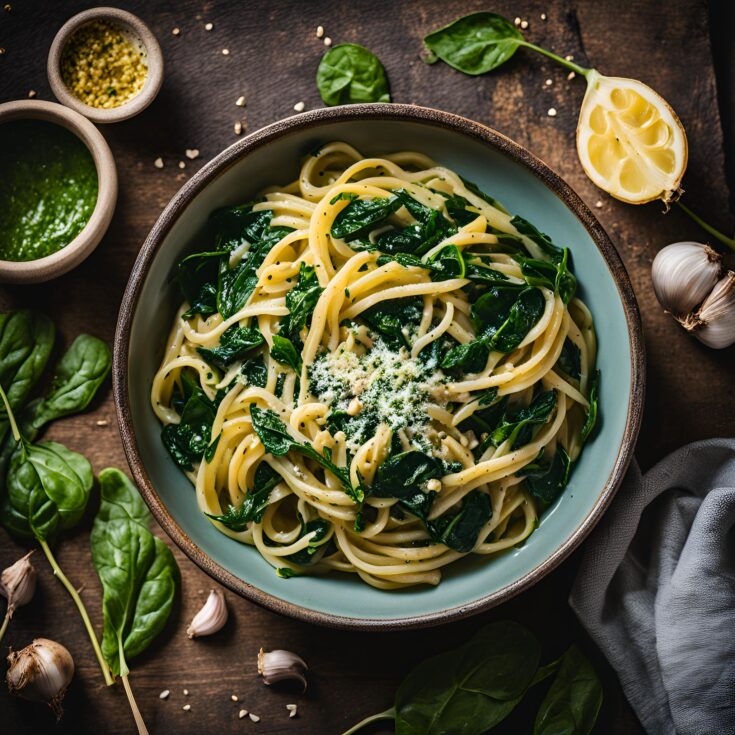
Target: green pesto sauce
[[48, 188]]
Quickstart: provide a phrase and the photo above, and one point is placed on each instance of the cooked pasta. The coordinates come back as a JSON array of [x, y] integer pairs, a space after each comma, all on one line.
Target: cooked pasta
[[376, 370]]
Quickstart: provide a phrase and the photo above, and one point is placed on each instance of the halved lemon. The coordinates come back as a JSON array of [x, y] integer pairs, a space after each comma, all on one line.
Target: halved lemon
[[629, 140]]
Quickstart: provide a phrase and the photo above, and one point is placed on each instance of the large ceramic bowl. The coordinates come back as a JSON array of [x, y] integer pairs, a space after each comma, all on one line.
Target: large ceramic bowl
[[527, 187]]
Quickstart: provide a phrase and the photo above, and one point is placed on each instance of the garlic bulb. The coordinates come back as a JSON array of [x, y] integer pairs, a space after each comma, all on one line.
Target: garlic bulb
[[683, 274], [41, 672], [18, 583], [278, 665], [211, 617], [713, 323]]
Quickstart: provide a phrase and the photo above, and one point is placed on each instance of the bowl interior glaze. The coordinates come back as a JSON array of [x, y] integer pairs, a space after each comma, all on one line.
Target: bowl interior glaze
[[526, 187]]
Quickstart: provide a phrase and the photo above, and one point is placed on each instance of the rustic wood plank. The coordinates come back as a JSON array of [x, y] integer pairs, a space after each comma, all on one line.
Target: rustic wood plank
[[273, 56]]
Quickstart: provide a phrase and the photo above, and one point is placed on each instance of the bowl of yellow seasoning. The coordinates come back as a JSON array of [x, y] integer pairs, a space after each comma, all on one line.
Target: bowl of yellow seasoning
[[106, 64], [58, 190]]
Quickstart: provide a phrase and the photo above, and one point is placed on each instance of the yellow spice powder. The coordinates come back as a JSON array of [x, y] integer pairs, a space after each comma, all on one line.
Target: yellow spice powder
[[102, 67]]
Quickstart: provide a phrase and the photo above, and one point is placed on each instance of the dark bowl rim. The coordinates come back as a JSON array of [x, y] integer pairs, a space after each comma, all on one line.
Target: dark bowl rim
[[382, 112]]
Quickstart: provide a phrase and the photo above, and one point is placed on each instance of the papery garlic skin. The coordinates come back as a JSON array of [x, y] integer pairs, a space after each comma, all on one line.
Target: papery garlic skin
[[41, 672], [713, 323], [18, 583], [280, 665], [211, 617], [683, 274]]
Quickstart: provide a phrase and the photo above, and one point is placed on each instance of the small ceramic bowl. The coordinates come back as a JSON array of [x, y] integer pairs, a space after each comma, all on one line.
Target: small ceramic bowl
[[51, 266], [138, 33]]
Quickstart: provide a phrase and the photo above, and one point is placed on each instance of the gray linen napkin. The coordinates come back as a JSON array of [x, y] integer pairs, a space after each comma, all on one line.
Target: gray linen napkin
[[656, 590]]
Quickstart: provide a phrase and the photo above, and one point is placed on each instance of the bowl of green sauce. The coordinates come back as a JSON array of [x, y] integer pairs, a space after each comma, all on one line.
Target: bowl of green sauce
[[57, 192]]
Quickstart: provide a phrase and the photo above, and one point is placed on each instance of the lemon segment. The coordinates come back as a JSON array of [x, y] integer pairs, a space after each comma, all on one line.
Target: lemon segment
[[629, 141]]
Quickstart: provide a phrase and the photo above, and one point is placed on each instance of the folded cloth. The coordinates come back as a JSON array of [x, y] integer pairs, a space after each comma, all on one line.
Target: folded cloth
[[656, 590]]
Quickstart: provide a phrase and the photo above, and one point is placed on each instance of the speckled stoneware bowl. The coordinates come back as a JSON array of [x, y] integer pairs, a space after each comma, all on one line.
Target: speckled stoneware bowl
[[138, 33], [527, 187], [70, 256]]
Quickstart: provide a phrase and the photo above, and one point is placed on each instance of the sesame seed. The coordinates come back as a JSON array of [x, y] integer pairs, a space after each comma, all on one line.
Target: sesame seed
[[208, 26], [240, 101], [551, 112], [598, 204], [233, 697], [524, 24], [517, 21], [543, 16], [571, 76], [319, 31], [7, 7], [31, 93], [182, 164], [2, 51], [253, 717], [192, 153], [327, 41], [102, 422], [164, 694], [569, 57], [186, 692], [158, 163], [238, 128], [186, 707], [242, 713], [225, 52], [176, 31], [548, 82], [299, 107]]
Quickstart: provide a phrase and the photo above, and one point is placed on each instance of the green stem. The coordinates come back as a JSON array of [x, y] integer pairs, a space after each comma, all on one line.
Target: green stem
[[389, 714], [724, 239], [11, 417], [568, 64], [82, 610], [4, 626], [142, 729]]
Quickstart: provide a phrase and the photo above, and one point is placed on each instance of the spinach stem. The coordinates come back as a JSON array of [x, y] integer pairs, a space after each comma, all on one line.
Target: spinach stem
[[82, 610], [142, 729], [724, 239], [568, 64], [4, 626], [11, 417], [389, 714]]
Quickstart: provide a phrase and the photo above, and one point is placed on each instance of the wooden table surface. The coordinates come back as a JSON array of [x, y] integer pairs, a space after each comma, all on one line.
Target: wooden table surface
[[273, 56]]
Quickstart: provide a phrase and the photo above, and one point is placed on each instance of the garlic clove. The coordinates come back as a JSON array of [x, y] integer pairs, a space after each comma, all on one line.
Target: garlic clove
[[713, 323], [683, 273], [281, 665], [41, 672], [211, 617], [18, 583]]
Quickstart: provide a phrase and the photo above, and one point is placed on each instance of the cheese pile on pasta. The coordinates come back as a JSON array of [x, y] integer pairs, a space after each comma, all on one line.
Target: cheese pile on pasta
[[376, 369]]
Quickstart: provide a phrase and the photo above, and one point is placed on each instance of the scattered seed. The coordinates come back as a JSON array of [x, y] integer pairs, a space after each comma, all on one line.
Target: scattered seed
[[242, 713], [186, 692], [524, 24], [543, 16], [319, 31], [234, 698], [182, 164], [299, 107], [102, 422], [571, 75], [7, 8], [291, 710], [240, 101], [186, 707], [517, 21], [548, 82], [598, 204], [208, 26], [176, 31], [253, 717], [225, 52], [327, 41], [31, 93], [569, 57], [551, 112], [192, 153], [238, 128], [2, 51], [158, 163], [164, 694]]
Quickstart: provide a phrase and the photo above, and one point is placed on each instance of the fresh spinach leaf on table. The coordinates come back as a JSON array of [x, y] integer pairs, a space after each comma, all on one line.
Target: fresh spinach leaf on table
[[284, 352], [349, 74], [234, 343]]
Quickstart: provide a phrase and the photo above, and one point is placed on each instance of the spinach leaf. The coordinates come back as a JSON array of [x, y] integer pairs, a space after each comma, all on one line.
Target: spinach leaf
[[188, 440], [390, 318], [346, 196], [591, 420], [492, 309], [197, 277], [547, 480], [284, 352], [469, 690], [570, 359], [554, 276], [475, 271], [204, 302], [475, 189], [234, 226], [255, 502], [233, 344], [444, 264], [278, 441], [573, 702], [320, 528], [470, 357], [48, 488], [517, 425], [476, 43], [459, 210], [77, 377], [137, 570], [459, 531], [542, 240], [255, 372], [361, 216], [350, 74], [26, 341], [301, 301], [523, 315]]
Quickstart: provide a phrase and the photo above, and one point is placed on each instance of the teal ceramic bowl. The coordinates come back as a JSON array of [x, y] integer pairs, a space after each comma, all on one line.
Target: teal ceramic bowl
[[527, 187]]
